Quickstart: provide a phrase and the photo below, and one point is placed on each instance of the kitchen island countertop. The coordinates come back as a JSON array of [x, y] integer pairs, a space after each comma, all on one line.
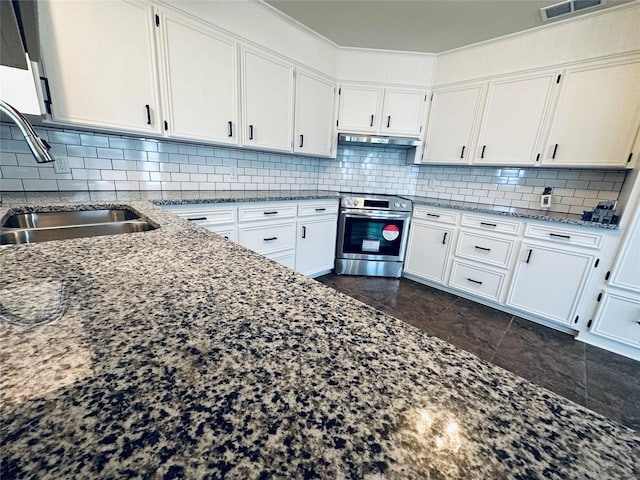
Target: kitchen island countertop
[[182, 355]]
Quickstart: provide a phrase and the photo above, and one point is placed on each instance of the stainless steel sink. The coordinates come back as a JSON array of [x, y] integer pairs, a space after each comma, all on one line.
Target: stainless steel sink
[[70, 218], [45, 226]]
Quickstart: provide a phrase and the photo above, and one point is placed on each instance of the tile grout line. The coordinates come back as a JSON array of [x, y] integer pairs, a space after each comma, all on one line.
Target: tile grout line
[[491, 360]]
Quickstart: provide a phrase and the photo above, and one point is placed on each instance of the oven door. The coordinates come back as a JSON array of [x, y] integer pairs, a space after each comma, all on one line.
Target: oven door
[[372, 235]]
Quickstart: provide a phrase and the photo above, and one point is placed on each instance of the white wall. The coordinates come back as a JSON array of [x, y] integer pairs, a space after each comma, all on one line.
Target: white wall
[[608, 32], [381, 66]]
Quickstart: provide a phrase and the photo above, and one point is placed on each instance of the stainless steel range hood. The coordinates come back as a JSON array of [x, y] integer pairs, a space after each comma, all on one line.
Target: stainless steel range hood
[[376, 140]]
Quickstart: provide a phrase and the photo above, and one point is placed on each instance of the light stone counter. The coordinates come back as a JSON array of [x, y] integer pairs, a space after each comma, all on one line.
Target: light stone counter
[[183, 355]]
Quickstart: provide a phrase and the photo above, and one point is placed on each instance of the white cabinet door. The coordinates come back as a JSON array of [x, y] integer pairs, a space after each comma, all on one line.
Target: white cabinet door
[[360, 108], [618, 318], [100, 60], [316, 245], [428, 251], [314, 114], [267, 101], [451, 125], [513, 121], [596, 118], [403, 112], [626, 271], [200, 72], [548, 281]]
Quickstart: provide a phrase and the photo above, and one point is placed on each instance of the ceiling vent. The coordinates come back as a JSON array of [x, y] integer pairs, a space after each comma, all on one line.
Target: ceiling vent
[[568, 7]]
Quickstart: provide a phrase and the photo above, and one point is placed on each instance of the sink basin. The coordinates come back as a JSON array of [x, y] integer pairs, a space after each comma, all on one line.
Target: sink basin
[[65, 219], [45, 226]]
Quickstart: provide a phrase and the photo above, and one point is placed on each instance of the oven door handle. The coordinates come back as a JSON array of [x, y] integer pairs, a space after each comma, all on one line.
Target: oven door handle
[[376, 215]]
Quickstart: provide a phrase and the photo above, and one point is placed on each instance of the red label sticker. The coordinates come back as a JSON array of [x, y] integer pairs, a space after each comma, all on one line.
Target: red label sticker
[[390, 232]]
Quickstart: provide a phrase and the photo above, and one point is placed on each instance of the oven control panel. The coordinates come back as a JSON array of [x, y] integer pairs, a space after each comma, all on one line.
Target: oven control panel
[[376, 202]]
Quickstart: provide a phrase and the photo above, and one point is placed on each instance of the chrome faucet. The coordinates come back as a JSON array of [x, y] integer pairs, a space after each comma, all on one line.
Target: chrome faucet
[[39, 147]]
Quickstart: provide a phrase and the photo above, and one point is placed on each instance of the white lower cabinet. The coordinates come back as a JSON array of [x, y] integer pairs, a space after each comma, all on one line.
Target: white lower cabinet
[[316, 245], [299, 235], [618, 318], [548, 281], [429, 246]]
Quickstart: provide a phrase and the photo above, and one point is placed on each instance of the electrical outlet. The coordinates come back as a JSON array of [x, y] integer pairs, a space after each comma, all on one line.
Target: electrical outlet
[[233, 174], [61, 164]]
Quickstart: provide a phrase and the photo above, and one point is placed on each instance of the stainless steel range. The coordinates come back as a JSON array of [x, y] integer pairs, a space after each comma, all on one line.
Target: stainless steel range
[[372, 235]]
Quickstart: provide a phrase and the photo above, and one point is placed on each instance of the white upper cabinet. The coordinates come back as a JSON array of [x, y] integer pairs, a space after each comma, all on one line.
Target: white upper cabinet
[[100, 61], [314, 117], [200, 73], [513, 120], [360, 108], [388, 111], [596, 117], [452, 123], [267, 101]]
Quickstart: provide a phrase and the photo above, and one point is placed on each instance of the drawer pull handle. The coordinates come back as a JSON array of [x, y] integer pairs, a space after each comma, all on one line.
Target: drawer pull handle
[[304, 232], [271, 213], [484, 147], [555, 150], [529, 256], [148, 108], [321, 209], [371, 123], [444, 238], [230, 129], [250, 132], [195, 219], [485, 224], [462, 152], [433, 215], [270, 239], [483, 248], [474, 281], [559, 235], [388, 121]]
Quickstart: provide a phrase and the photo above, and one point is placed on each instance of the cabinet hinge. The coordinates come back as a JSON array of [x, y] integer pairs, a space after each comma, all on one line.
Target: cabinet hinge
[[538, 158], [558, 79], [337, 122], [589, 323], [606, 277], [432, 97], [166, 125], [157, 20], [599, 297], [340, 91], [597, 263], [576, 319], [420, 128], [629, 158], [425, 97]]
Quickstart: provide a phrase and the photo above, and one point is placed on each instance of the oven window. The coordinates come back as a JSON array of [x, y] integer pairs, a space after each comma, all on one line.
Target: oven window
[[372, 236]]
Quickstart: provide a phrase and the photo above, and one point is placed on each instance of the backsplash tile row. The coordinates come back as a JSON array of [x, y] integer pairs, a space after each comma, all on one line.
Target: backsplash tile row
[[104, 162]]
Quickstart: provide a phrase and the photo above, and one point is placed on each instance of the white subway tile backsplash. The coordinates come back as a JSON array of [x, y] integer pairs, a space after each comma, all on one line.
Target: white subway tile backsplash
[[107, 162]]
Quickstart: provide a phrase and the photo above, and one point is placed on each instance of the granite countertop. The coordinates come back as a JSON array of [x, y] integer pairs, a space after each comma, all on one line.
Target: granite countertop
[[179, 354], [546, 215]]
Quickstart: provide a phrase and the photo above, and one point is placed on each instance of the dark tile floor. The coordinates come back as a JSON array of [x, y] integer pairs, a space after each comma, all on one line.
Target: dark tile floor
[[600, 380]]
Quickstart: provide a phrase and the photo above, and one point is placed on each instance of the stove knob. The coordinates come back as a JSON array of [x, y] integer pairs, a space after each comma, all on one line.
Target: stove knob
[[355, 202], [396, 204], [403, 205], [347, 202]]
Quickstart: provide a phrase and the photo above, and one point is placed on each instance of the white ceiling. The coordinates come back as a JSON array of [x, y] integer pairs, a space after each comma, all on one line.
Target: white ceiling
[[430, 26]]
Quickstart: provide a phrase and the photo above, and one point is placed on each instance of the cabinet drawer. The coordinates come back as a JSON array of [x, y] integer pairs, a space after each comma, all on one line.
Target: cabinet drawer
[[491, 224], [565, 235], [435, 215], [619, 319], [317, 208], [228, 231], [205, 214], [267, 211], [492, 250], [476, 280], [288, 258], [268, 238]]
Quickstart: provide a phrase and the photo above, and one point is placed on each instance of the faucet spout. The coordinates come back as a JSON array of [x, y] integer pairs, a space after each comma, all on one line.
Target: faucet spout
[[39, 147]]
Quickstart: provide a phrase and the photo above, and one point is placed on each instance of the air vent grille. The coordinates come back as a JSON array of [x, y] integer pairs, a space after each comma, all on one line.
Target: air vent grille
[[568, 7]]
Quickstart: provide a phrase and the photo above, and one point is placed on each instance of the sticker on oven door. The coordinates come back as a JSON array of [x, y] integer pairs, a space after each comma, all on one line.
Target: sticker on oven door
[[370, 245], [390, 232]]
